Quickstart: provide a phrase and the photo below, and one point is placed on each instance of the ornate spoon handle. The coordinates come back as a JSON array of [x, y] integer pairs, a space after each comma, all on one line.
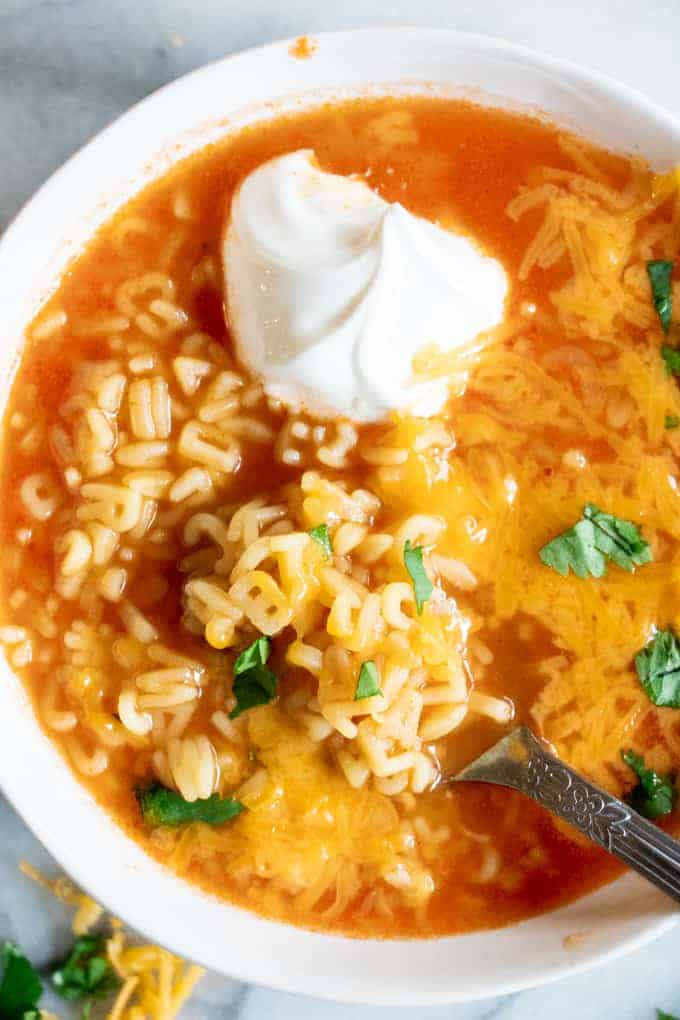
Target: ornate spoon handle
[[520, 762]]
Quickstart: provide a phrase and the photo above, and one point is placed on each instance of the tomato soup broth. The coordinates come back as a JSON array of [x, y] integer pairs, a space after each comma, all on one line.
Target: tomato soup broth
[[141, 467]]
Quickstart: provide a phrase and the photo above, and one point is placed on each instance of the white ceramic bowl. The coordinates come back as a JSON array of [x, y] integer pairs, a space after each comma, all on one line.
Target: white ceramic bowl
[[141, 145]]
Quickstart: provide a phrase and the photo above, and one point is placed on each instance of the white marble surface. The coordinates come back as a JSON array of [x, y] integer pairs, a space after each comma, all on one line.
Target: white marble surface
[[67, 68]]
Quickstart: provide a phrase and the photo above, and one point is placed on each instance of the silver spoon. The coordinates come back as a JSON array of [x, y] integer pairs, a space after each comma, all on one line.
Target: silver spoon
[[520, 762]]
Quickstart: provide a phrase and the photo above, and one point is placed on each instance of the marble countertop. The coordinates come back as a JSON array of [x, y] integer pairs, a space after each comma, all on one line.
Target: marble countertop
[[67, 68]]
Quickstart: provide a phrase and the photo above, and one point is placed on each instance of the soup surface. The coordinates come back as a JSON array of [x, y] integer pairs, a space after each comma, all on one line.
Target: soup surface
[[156, 514]]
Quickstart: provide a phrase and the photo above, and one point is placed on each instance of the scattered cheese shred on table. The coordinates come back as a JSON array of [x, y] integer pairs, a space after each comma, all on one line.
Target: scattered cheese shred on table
[[155, 984]]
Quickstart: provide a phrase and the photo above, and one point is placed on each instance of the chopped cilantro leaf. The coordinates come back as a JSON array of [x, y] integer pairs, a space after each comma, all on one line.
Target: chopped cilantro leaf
[[253, 687], [658, 667], [20, 987], [655, 795], [320, 535], [591, 542], [254, 655], [659, 272], [86, 972], [254, 683], [422, 585], [161, 806], [671, 421], [671, 357], [368, 684]]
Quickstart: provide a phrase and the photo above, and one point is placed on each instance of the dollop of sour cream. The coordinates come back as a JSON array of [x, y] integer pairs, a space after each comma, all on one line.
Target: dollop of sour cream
[[331, 291]]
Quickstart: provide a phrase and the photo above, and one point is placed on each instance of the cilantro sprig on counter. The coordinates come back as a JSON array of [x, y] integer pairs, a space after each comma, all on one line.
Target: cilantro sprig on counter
[[161, 806], [655, 795], [20, 986], [254, 683], [592, 542], [86, 972]]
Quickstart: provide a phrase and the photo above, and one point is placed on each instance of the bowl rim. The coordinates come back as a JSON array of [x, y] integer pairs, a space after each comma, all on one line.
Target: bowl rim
[[497, 44], [68, 856]]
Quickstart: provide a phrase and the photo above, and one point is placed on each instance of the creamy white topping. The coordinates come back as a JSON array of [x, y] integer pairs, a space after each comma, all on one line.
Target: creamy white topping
[[331, 291]]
